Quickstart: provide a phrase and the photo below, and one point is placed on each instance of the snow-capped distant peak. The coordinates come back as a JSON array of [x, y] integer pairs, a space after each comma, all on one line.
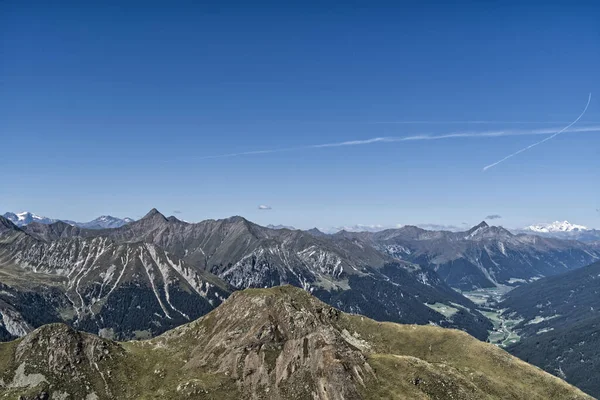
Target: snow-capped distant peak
[[26, 217], [557, 226], [102, 222], [26, 214]]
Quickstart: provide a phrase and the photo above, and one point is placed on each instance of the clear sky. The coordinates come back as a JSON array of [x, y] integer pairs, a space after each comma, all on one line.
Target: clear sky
[[113, 109]]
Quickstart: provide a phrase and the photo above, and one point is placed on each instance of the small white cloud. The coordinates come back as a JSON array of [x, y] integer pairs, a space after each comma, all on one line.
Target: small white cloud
[[176, 212], [264, 207]]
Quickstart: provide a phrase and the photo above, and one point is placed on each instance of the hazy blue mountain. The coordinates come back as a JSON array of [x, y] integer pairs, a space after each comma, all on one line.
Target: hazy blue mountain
[[483, 256], [102, 222]]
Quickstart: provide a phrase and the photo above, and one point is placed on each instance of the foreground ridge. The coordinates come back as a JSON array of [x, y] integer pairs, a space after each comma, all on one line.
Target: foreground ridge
[[278, 343]]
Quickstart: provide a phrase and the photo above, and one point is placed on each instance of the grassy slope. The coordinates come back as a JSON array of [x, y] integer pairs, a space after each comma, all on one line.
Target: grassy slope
[[445, 362], [408, 361]]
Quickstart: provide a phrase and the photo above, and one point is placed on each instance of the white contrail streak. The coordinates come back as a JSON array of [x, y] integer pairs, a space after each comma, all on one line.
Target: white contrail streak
[[543, 140], [469, 122], [395, 139]]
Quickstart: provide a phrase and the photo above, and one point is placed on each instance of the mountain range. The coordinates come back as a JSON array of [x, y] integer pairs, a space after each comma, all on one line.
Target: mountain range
[[278, 343], [156, 273], [122, 290], [483, 256], [102, 222], [564, 230], [557, 229]]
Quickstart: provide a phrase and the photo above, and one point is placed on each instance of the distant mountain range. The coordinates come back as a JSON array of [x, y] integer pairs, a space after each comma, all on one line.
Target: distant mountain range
[[557, 226], [564, 230], [558, 229], [102, 222], [483, 256]]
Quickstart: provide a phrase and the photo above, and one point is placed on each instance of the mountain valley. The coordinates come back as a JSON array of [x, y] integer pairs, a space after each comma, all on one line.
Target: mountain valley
[[560, 325]]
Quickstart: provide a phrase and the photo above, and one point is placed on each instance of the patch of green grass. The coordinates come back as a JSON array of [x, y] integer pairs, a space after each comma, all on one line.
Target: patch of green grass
[[141, 335], [445, 310]]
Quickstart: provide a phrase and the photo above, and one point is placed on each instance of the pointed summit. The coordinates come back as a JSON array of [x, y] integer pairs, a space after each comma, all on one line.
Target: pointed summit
[[174, 219], [482, 225], [153, 214]]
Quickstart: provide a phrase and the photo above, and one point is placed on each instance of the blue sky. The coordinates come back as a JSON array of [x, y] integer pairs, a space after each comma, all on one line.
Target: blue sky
[[112, 109]]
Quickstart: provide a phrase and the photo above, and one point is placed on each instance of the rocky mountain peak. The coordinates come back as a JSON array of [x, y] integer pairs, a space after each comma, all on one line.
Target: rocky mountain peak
[[281, 338], [174, 219], [481, 225], [154, 215], [54, 354]]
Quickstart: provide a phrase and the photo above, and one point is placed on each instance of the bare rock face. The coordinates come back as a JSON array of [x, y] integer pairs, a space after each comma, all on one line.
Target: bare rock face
[[54, 356], [98, 285], [63, 348], [279, 346]]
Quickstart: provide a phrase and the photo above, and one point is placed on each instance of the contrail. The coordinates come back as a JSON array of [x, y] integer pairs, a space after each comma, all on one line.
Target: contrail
[[395, 139], [541, 141], [468, 122]]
